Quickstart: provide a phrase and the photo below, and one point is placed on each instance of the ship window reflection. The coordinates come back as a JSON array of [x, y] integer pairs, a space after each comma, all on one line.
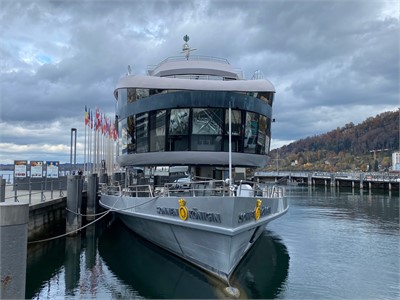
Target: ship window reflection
[[123, 137], [262, 127], [157, 130], [142, 93], [251, 130], [207, 129], [131, 134], [131, 95], [207, 121], [122, 98], [236, 120], [141, 132], [178, 130], [266, 97], [179, 121]]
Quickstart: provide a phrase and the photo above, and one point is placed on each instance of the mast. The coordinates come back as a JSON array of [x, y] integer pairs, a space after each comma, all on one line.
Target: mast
[[186, 48]]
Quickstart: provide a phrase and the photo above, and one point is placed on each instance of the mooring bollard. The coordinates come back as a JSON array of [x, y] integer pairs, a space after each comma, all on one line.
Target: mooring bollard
[[92, 189], [2, 190], [14, 218], [74, 202]]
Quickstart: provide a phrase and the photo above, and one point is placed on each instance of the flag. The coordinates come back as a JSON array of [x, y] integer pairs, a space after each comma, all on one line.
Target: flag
[[104, 128], [98, 119], [86, 116], [91, 120]]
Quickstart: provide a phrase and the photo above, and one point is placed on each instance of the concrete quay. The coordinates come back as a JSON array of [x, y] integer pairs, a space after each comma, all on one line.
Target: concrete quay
[[32, 216], [382, 181], [46, 208]]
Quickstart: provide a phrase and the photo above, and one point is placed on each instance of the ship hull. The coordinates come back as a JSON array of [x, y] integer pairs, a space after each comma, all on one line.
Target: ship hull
[[216, 234]]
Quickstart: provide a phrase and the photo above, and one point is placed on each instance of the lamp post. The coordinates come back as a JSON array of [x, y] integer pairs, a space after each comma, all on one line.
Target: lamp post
[[73, 146]]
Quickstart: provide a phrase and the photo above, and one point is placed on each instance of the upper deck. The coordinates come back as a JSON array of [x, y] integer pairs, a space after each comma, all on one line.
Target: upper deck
[[177, 66]]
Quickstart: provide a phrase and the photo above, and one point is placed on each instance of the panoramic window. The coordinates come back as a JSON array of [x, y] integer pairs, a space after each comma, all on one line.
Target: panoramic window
[[265, 96], [179, 121], [131, 134], [250, 134], [207, 121], [207, 129], [157, 130], [131, 95], [178, 130], [123, 137], [236, 120], [262, 127], [236, 139], [142, 93], [122, 98], [141, 132]]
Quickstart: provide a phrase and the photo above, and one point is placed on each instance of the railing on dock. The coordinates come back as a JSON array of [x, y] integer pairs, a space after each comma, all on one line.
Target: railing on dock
[[24, 192]]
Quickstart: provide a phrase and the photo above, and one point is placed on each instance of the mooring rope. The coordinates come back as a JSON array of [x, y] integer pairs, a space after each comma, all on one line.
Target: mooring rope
[[104, 214], [70, 232], [83, 215]]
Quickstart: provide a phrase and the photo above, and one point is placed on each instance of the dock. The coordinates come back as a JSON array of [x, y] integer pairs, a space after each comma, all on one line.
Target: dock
[[46, 208], [34, 213], [360, 180]]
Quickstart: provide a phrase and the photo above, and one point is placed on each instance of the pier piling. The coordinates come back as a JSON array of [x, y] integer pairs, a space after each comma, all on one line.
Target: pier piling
[[74, 202], [14, 218], [2, 190], [92, 189]]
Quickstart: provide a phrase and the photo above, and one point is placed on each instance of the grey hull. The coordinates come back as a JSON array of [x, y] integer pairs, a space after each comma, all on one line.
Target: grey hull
[[216, 235]]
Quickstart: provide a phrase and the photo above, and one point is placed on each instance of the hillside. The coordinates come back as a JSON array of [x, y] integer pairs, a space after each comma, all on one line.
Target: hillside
[[367, 146]]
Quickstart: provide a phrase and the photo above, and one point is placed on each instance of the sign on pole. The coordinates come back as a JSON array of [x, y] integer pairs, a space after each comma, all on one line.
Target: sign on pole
[[20, 168], [36, 169], [52, 169]]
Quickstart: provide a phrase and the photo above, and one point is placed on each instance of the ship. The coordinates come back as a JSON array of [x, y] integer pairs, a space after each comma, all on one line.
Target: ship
[[190, 132]]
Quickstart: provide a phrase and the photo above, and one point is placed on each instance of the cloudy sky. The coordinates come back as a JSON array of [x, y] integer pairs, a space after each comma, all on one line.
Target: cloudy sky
[[332, 62]]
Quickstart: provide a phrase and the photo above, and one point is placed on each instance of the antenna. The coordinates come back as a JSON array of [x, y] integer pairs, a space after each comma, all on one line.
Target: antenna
[[186, 48]]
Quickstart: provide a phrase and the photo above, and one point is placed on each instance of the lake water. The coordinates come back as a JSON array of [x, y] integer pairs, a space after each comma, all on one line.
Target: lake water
[[331, 244]]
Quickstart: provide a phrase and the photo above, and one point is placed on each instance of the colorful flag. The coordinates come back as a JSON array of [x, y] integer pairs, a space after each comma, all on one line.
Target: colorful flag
[[98, 119], [91, 120], [86, 116]]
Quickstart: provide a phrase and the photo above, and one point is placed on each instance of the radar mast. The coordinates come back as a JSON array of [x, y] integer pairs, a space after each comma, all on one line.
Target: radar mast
[[186, 48]]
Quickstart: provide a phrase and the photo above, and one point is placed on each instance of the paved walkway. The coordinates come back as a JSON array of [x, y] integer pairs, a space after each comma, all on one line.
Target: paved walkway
[[34, 197]]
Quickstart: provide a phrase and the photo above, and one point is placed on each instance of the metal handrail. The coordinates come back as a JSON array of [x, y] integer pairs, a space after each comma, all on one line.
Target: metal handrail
[[20, 193], [193, 188]]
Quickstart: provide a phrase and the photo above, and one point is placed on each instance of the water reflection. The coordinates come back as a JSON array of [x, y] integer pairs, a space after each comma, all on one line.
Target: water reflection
[[378, 208], [43, 262], [264, 270], [342, 244], [114, 262], [155, 273]]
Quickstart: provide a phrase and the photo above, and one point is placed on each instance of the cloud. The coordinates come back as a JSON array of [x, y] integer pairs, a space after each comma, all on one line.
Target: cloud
[[332, 62]]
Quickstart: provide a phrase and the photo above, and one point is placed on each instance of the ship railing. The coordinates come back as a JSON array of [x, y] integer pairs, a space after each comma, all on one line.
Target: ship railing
[[192, 57], [144, 190], [273, 191], [197, 188], [114, 189]]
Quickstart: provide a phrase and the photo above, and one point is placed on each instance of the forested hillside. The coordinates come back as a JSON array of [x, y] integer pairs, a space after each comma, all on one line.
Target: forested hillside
[[367, 146]]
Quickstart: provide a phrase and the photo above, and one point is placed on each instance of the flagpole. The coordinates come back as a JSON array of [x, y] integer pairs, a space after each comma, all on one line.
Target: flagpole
[[84, 153], [91, 144]]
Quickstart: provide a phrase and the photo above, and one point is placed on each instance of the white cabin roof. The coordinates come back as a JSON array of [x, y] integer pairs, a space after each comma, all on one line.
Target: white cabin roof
[[152, 82], [196, 65]]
